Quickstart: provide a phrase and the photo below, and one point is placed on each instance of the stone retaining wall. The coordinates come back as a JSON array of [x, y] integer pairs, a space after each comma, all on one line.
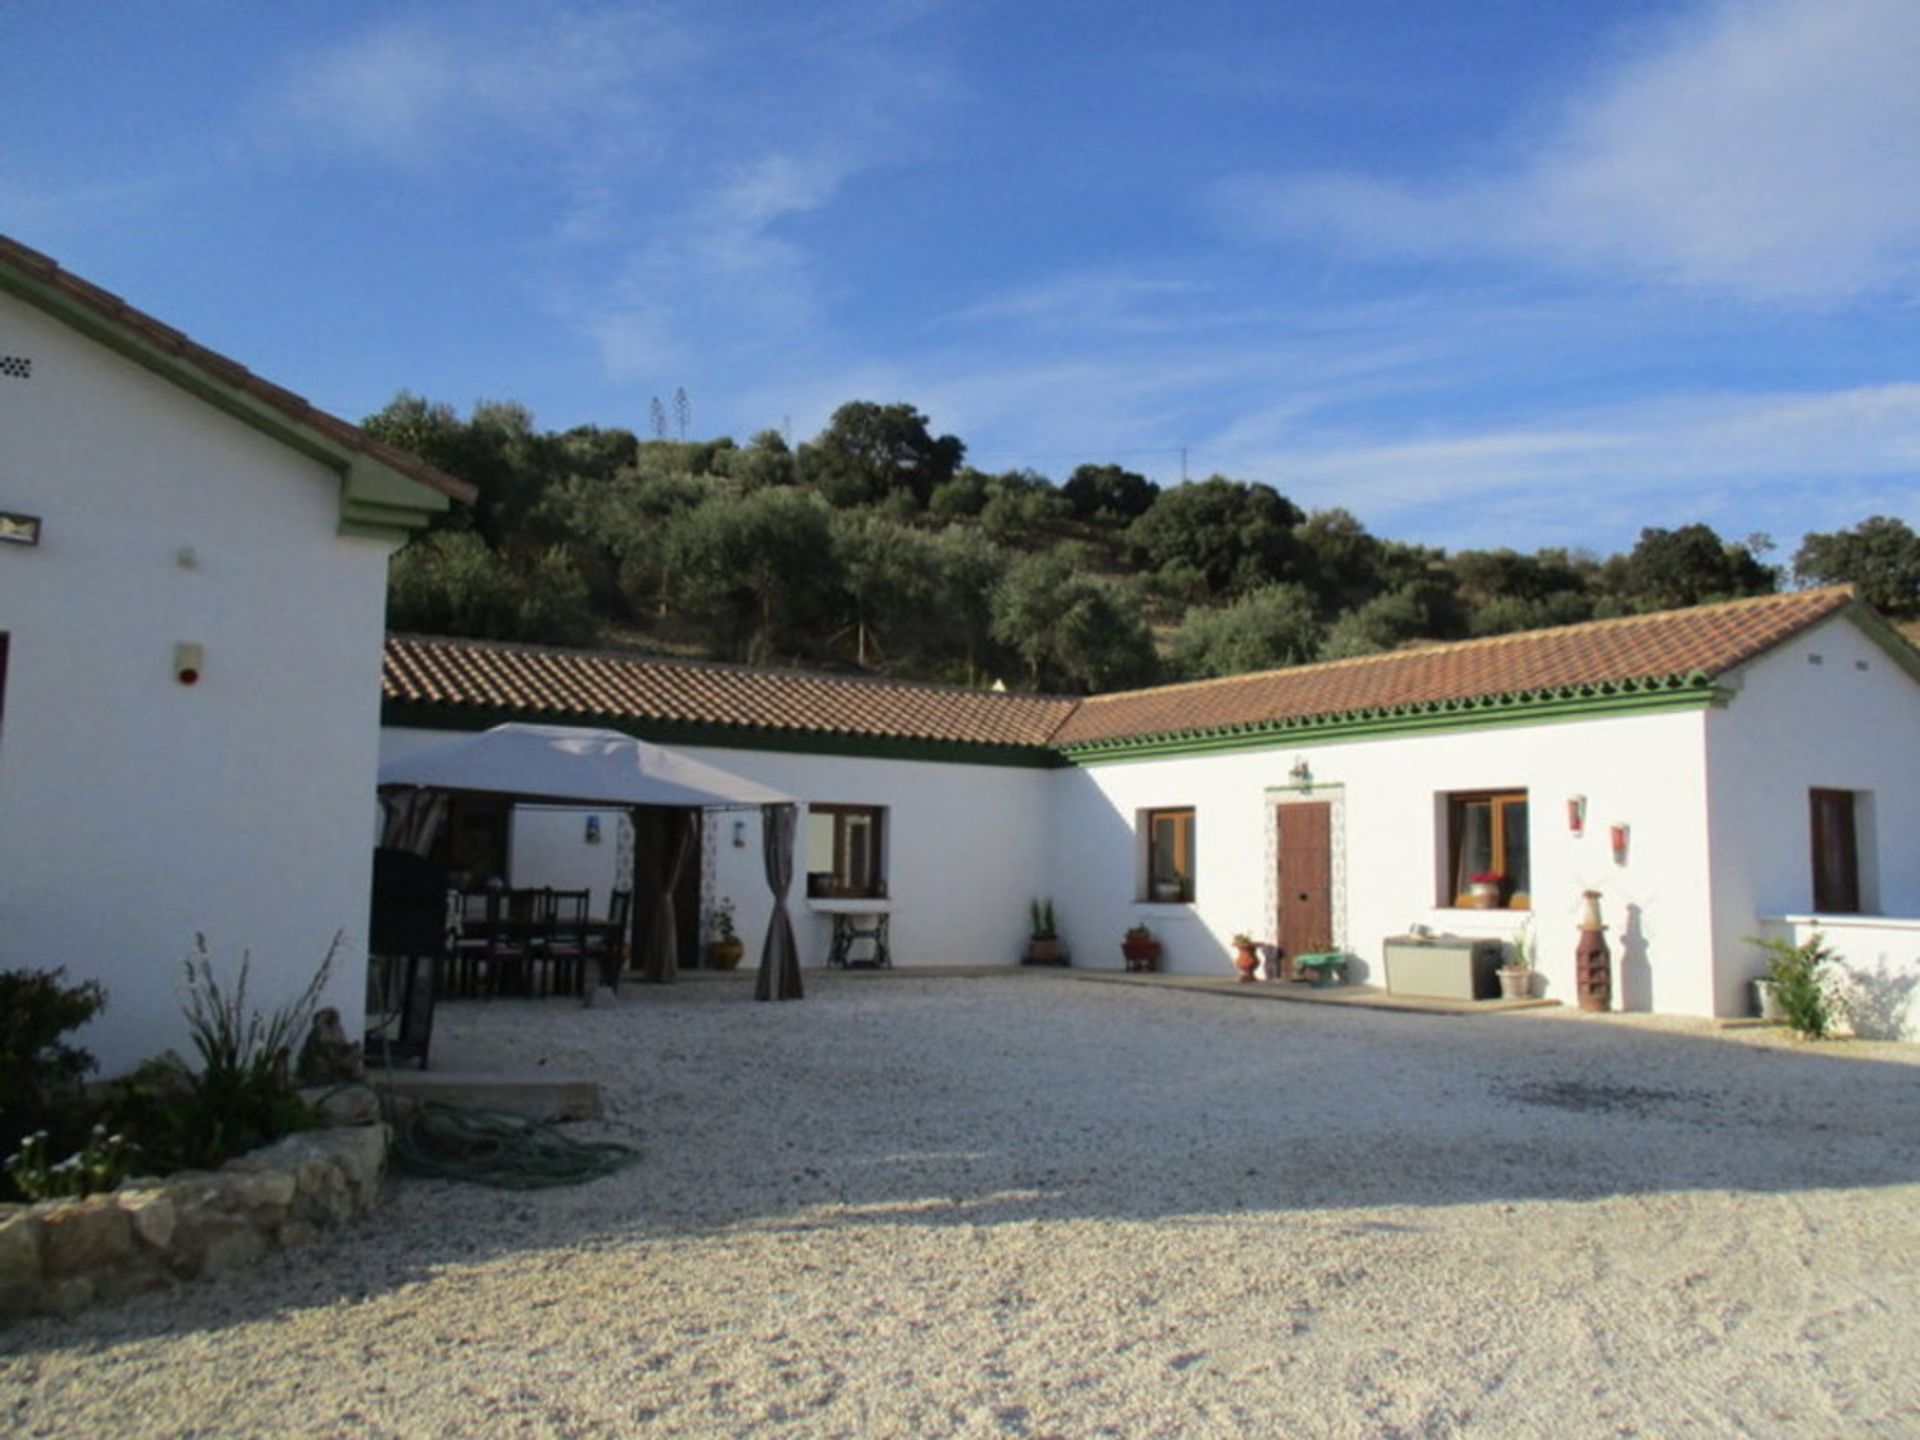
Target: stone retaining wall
[[60, 1256]]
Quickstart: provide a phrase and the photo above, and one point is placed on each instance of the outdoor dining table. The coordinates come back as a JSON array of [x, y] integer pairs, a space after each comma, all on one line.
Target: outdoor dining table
[[509, 955]]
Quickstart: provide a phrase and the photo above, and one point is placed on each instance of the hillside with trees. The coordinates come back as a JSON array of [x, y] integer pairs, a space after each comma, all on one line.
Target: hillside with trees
[[875, 548]]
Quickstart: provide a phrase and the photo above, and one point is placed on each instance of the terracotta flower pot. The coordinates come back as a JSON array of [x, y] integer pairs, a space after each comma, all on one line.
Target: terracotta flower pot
[[1246, 959]]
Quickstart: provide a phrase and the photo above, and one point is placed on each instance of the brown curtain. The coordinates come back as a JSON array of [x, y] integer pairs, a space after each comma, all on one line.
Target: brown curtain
[[663, 839], [412, 819], [779, 977]]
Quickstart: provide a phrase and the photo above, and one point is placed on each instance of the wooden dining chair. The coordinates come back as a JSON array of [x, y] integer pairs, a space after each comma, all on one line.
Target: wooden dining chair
[[519, 942], [476, 913], [607, 942], [566, 940]]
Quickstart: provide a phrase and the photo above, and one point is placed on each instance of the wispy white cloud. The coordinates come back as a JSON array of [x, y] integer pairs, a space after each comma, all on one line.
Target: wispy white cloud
[[721, 278], [1089, 301], [1766, 148], [1747, 461], [49, 210], [412, 90], [669, 150]]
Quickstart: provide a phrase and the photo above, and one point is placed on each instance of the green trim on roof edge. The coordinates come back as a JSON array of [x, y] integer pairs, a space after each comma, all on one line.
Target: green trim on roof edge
[[1899, 649], [1673, 692], [1677, 692], [374, 501], [431, 715]]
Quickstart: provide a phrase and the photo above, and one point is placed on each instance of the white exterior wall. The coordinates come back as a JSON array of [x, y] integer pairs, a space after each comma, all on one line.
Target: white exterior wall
[[549, 846], [965, 848], [1647, 772], [1714, 801], [1850, 722], [135, 811]]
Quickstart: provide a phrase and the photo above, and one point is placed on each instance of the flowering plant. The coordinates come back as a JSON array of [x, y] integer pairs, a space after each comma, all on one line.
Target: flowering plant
[[1486, 877], [1522, 949], [1242, 938]]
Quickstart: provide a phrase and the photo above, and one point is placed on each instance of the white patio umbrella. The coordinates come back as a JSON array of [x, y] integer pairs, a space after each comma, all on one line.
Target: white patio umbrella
[[568, 764]]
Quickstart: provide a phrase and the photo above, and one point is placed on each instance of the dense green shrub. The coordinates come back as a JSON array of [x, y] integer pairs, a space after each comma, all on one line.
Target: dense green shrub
[[163, 1116], [1798, 973], [40, 1073]]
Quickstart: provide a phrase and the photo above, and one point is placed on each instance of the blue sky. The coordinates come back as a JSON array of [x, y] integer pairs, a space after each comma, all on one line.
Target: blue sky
[[1490, 273]]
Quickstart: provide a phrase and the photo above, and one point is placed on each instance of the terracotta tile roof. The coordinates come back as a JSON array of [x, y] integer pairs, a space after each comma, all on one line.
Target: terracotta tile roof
[[1700, 643], [230, 373], [532, 681], [1675, 647]]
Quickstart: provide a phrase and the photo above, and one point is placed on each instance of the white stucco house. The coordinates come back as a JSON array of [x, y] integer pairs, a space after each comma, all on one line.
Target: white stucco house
[[192, 599], [1715, 774]]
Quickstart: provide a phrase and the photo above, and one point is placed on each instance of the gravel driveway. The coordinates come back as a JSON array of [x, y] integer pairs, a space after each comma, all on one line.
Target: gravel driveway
[[1029, 1205]]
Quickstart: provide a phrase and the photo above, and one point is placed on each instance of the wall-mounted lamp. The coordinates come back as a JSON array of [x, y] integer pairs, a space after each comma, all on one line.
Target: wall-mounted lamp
[[1577, 814], [739, 834], [18, 529], [1618, 835], [188, 661], [593, 829], [1302, 773]]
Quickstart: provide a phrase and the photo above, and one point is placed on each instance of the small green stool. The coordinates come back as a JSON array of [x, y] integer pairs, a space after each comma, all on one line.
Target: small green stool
[[1329, 967]]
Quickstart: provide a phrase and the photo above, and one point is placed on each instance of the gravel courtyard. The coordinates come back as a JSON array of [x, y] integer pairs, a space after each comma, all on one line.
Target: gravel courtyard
[[1031, 1205]]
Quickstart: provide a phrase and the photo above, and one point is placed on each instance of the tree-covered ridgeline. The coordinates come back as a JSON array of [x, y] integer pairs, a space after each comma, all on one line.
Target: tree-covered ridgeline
[[874, 547]]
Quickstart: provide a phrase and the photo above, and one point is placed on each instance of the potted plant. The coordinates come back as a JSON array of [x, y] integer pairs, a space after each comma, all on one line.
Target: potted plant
[[1140, 948], [1516, 976], [1043, 940], [1794, 991], [1483, 890], [1246, 955], [725, 948]]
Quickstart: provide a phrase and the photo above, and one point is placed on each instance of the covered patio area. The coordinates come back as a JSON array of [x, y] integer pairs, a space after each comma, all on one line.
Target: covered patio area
[[423, 924]]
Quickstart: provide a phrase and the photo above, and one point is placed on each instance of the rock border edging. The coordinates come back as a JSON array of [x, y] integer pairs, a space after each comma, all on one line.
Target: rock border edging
[[59, 1257]]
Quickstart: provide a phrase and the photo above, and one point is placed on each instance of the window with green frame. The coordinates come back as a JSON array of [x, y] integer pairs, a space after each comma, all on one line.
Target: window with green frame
[[1170, 855]]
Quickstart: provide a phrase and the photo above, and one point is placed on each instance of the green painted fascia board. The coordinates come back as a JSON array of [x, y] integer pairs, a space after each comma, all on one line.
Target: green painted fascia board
[[373, 499], [1688, 693], [1677, 693], [431, 716], [1898, 648]]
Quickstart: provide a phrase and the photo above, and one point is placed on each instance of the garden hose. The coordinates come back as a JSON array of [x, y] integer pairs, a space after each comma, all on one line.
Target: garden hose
[[438, 1141]]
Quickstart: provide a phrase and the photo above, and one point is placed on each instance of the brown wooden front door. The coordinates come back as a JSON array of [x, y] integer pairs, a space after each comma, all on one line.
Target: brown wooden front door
[[1836, 861], [1305, 881]]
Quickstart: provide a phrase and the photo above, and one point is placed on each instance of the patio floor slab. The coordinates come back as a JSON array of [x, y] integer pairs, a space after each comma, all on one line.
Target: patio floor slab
[[1364, 997], [532, 1097]]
